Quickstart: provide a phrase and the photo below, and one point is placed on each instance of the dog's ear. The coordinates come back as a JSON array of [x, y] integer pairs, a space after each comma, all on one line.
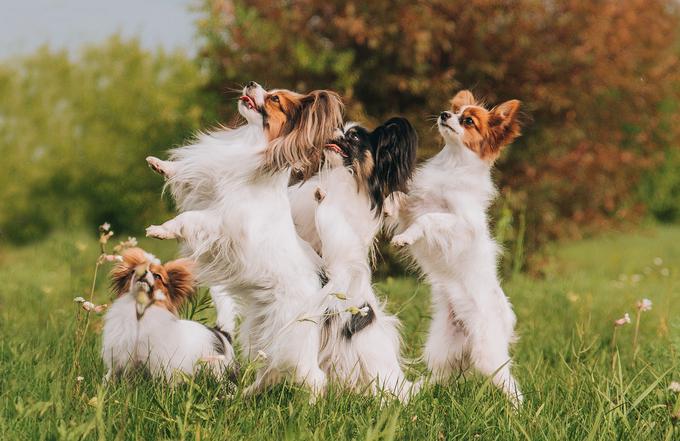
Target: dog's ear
[[462, 98], [181, 283], [394, 145], [121, 274], [505, 124], [311, 125]]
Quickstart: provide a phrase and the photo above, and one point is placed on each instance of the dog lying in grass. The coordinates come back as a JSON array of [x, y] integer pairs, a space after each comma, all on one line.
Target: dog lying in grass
[[142, 327]]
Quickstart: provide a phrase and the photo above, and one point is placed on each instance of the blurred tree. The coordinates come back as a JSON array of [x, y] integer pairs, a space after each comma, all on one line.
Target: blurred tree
[[74, 134], [593, 75]]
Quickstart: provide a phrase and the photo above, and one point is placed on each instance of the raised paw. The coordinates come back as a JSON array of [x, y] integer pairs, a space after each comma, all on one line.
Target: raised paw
[[159, 232], [159, 166], [401, 240], [319, 194]]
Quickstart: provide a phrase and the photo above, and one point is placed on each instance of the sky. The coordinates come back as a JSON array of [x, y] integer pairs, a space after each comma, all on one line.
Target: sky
[[27, 24]]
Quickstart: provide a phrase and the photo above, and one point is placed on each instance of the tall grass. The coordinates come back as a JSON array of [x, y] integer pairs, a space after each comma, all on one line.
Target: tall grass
[[563, 360]]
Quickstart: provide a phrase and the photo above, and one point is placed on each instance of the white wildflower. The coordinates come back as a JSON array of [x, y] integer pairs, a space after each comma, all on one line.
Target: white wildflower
[[105, 227], [644, 305], [658, 261], [674, 387], [79, 378], [623, 320], [635, 278], [665, 272], [79, 300]]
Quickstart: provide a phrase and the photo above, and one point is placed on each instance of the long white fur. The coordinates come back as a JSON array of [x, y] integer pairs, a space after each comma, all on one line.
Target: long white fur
[[193, 174], [159, 341], [449, 238], [344, 225], [245, 242]]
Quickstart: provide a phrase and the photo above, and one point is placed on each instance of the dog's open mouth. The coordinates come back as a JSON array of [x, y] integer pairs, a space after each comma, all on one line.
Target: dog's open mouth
[[336, 148], [248, 101]]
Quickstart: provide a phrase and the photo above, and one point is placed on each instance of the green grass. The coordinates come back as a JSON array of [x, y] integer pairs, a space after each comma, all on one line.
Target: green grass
[[563, 360]]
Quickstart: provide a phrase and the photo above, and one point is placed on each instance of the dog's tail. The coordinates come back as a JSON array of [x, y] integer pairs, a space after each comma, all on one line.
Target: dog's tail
[[223, 345]]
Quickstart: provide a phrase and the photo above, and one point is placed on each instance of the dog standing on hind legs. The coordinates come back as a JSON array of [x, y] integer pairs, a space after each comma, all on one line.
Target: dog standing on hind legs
[[244, 239], [360, 341], [443, 224]]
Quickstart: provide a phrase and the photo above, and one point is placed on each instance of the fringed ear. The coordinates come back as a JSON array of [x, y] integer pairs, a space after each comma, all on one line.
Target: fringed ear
[[312, 124], [462, 98], [504, 127], [394, 144], [504, 122], [122, 273], [181, 283]]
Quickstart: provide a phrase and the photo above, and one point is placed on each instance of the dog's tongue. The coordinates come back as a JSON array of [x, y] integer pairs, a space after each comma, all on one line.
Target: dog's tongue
[[248, 100], [336, 148]]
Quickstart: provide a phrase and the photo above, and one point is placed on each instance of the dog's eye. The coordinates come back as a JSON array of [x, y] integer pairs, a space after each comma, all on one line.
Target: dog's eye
[[353, 136], [275, 98], [468, 121], [157, 276]]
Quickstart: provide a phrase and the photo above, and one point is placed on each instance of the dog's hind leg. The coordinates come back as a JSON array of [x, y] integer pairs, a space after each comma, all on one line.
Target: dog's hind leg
[[447, 340], [489, 354]]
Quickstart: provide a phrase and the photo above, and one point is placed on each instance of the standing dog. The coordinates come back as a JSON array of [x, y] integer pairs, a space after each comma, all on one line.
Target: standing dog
[[360, 341], [244, 240], [142, 328], [443, 223]]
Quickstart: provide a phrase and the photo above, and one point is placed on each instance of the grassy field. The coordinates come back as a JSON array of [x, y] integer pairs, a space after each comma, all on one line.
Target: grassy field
[[50, 385]]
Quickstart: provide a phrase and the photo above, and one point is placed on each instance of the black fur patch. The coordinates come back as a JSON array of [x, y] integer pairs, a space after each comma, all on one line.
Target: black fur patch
[[358, 322], [394, 145], [323, 277], [218, 344]]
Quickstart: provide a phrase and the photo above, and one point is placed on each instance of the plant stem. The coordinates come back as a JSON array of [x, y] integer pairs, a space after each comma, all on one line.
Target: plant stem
[[635, 336], [614, 349]]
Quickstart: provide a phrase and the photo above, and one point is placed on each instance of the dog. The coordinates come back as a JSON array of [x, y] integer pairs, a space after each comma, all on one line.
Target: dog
[[245, 241], [360, 341], [142, 327], [193, 175], [443, 224]]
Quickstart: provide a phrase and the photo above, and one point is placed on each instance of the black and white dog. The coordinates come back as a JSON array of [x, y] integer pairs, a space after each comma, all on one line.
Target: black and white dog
[[339, 212]]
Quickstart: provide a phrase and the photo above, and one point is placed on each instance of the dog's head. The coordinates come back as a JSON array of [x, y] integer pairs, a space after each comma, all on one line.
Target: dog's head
[[296, 125], [382, 161], [142, 275], [484, 132]]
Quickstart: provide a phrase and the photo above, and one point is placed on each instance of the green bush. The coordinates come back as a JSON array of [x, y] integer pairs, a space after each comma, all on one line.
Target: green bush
[[74, 133], [661, 188]]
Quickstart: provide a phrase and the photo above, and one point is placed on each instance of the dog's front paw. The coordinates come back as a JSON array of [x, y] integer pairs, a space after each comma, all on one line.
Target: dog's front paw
[[159, 232], [401, 240], [159, 166]]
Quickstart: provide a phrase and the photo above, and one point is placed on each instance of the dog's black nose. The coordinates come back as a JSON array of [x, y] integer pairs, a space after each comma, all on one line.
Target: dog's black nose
[[445, 115], [252, 84]]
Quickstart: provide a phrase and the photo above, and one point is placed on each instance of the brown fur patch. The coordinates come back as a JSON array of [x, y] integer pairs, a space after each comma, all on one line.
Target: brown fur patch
[[363, 170], [486, 132], [462, 98], [307, 123], [174, 279]]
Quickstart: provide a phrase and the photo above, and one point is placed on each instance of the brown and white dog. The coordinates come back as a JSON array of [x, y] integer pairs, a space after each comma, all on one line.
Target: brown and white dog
[[142, 327], [240, 229], [443, 223]]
